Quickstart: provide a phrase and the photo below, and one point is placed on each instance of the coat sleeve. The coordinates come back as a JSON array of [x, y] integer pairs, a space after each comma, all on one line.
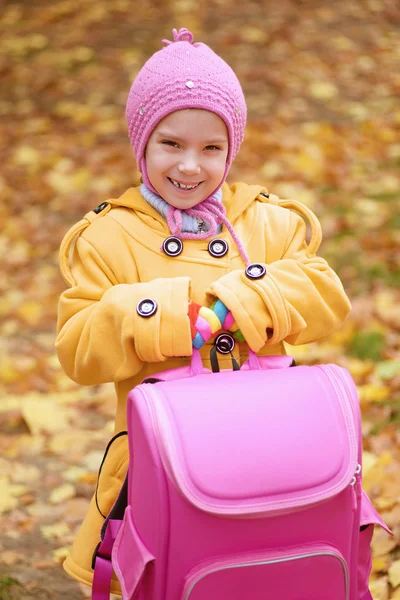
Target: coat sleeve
[[101, 337], [299, 300]]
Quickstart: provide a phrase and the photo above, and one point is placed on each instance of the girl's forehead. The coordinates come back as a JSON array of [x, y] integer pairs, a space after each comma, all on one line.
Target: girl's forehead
[[193, 121]]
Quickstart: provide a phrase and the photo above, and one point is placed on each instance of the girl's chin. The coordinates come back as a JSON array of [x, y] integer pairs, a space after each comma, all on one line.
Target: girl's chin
[[182, 205]]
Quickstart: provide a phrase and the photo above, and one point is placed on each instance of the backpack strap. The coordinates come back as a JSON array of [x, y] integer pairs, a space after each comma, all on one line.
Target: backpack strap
[[316, 231], [101, 561]]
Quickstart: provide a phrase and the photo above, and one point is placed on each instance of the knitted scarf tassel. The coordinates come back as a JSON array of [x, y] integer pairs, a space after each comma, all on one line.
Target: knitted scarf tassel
[[210, 210]]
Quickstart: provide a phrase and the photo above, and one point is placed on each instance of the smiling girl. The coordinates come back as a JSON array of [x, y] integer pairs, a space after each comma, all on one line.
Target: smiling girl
[[186, 156], [144, 269]]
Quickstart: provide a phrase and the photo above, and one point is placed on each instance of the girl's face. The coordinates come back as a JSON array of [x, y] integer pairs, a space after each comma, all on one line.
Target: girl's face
[[186, 156]]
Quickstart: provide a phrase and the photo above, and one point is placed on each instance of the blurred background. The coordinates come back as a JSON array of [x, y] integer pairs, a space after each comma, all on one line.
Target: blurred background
[[322, 82]]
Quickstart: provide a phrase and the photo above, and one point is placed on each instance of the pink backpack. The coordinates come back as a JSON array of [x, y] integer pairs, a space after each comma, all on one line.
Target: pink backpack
[[242, 485]]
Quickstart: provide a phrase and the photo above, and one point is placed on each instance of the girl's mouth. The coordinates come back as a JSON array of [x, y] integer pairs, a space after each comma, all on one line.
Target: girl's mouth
[[182, 186]]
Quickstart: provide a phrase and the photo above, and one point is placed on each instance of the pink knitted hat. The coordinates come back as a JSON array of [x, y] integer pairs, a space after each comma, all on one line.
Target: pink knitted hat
[[184, 75]]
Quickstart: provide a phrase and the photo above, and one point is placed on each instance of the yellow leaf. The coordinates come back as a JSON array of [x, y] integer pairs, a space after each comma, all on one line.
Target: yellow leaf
[[74, 473], [394, 573], [7, 500], [60, 554], [58, 530], [10, 557], [382, 543], [341, 42], [369, 460], [253, 35], [43, 414], [26, 155], [271, 169], [379, 589], [24, 473], [380, 564], [376, 475], [20, 252], [385, 503], [7, 372], [309, 161], [93, 460], [323, 90], [373, 393], [344, 335], [63, 492], [30, 311], [83, 53], [359, 368], [9, 494]]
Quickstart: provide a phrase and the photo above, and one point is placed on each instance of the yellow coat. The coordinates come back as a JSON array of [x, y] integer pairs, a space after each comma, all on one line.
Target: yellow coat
[[113, 259]]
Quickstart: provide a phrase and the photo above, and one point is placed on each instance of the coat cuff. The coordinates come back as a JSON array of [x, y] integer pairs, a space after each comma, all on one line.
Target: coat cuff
[[249, 305], [166, 333]]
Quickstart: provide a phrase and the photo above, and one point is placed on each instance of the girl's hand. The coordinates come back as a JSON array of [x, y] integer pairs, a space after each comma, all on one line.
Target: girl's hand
[[227, 319], [206, 322]]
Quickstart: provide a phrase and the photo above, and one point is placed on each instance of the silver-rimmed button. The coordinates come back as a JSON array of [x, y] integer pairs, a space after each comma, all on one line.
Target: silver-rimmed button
[[224, 343], [146, 307], [255, 271], [172, 246], [218, 248]]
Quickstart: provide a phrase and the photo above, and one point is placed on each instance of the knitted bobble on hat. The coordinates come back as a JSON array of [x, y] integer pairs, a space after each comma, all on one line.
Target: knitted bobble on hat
[[183, 35]]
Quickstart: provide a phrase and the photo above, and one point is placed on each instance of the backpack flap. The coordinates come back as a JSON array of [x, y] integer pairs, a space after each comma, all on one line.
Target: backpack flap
[[256, 442]]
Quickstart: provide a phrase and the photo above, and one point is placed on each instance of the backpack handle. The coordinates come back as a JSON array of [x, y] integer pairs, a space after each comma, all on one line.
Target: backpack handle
[[253, 362]]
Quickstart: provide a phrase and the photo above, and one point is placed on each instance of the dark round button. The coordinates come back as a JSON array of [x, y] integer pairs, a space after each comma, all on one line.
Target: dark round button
[[172, 246], [100, 207], [224, 343], [146, 307], [255, 271], [218, 248]]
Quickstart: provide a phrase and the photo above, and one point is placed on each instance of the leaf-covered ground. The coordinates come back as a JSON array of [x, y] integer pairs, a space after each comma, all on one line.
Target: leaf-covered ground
[[322, 83]]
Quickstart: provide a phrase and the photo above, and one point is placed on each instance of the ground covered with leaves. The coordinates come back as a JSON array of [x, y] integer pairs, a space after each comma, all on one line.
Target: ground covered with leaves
[[322, 84]]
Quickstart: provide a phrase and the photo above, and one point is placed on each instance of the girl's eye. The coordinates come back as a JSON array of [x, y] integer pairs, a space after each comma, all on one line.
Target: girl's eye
[[170, 143], [213, 148]]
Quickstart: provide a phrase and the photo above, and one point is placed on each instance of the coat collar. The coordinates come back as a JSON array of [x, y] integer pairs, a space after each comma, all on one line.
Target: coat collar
[[236, 199]]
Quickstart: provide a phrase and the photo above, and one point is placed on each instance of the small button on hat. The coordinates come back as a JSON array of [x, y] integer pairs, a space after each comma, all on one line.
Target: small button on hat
[[146, 307], [218, 248], [172, 246], [255, 271]]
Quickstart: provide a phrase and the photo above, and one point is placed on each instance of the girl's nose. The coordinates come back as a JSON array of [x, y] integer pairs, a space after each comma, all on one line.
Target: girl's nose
[[189, 165]]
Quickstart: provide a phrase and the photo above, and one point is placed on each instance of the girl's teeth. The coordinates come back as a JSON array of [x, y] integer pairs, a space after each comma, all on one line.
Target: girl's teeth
[[181, 185]]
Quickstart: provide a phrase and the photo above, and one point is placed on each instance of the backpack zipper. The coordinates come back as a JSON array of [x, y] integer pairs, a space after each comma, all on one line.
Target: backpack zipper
[[355, 482], [259, 562]]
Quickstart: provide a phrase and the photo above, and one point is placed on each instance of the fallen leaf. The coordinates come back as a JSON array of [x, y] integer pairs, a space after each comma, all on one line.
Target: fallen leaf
[[60, 554], [394, 574], [382, 543], [379, 589], [61, 493], [10, 557], [44, 415], [58, 530], [9, 494]]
